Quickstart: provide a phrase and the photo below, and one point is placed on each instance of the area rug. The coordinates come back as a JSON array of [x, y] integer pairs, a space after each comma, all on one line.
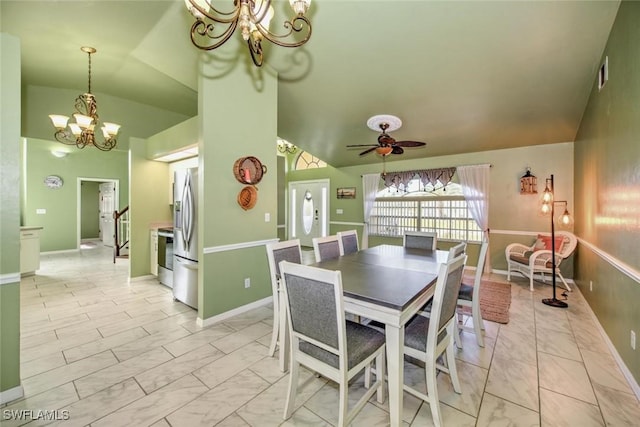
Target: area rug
[[495, 300]]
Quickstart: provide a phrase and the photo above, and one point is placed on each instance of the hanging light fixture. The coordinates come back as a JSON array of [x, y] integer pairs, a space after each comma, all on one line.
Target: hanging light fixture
[[285, 146], [213, 27], [81, 132]]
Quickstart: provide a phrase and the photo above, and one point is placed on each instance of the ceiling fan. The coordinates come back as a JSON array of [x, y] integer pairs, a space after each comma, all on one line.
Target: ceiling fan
[[386, 143]]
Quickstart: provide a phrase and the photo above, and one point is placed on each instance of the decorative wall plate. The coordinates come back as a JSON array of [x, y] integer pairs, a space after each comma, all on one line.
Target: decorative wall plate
[[53, 181], [247, 197]]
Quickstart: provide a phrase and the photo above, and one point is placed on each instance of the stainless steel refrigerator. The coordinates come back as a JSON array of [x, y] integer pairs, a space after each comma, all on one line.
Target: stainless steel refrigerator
[[185, 240]]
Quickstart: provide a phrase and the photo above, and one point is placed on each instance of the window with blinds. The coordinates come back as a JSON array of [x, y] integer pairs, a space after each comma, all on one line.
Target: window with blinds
[[444, 211]]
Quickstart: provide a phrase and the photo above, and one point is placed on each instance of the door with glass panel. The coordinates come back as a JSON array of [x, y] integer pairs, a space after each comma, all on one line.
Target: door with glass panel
[[308, 210]]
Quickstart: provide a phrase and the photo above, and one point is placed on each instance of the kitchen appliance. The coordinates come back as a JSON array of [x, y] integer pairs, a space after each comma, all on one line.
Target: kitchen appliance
[[165, 256], [185, 237]]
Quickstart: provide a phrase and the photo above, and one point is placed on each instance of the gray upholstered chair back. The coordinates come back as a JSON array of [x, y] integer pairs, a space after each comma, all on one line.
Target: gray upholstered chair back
[[450, 294], [420, 240], [290, 253], [327, 247], [349, 240], [312, 306], [456, 251]]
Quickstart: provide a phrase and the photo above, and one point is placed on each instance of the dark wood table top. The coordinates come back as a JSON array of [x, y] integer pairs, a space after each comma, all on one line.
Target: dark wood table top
[[387, 275]]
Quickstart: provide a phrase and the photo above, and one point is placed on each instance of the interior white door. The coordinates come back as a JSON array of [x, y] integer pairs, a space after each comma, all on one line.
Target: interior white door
[[308, 210], [107, 200]]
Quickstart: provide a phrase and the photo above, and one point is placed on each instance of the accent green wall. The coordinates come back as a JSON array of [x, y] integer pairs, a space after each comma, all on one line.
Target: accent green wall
[[60, 222], [607, 190], [149, 204], [238, 118], [9, 218]]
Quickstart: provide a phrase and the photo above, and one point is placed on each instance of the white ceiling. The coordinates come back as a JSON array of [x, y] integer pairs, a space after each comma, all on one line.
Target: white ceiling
[[463, 76]]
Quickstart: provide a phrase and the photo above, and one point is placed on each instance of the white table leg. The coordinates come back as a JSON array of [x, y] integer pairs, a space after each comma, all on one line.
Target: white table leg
[[395, 372]]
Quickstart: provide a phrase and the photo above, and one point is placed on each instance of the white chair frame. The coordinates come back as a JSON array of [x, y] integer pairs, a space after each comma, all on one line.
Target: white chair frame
[[343, 235], [423, 234], [326, 240], [279, 323], [474, 304], [435, 348], [343, 374], [539, 260]]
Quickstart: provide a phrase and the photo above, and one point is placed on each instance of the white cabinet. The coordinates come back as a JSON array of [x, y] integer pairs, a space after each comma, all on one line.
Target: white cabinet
[[153, 250], [29, 250]]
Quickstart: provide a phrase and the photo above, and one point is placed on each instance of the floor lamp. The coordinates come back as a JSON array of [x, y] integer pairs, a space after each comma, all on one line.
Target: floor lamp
[[548, 206]]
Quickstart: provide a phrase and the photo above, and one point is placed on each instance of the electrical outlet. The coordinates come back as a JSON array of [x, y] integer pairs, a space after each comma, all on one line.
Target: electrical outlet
[[247, 282], [633, 340], [591, 285]]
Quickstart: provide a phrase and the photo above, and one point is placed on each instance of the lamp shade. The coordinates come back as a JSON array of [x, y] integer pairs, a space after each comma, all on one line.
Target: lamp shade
[[59, 121]]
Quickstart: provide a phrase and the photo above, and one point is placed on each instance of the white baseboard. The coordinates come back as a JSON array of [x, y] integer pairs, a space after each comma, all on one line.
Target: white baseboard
[[7, 279], [11, 394], [226, 315], [142, 278]]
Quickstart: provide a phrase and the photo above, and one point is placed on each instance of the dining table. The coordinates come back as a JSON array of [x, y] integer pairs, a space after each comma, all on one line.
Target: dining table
[[388, 284]]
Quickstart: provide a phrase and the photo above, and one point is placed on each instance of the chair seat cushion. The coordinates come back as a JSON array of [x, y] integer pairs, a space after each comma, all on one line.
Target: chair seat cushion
[[415, 333], [362, 341], [466, 292], [524, 259]]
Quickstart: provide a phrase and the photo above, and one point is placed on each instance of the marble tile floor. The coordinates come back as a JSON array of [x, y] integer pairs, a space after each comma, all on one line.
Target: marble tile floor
[[105, 352]]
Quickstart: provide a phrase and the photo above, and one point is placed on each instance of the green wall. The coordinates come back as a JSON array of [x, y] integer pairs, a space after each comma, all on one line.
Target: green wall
[[607, 190], [9, 218], [512, 217], [231, 130], [60, 222], [89, 210], [149, 203]]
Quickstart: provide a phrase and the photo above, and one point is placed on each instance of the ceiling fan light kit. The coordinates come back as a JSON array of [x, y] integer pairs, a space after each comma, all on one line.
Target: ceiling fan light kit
[[214, 27], [386, 143]]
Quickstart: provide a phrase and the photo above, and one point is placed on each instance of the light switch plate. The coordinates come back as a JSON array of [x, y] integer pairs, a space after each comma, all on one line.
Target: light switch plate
[[41, 211], [339, 211], [267, 217]]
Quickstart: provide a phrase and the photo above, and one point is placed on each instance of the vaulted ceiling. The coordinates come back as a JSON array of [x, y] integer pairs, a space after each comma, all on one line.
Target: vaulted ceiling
[[463, 76]]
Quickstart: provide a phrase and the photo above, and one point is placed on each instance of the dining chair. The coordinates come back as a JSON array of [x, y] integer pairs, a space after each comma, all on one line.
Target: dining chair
[[348, 242], [469, 296], [324, 342], [456, 251], [420, 240], [327, 247], [426, 339], [291, 251]]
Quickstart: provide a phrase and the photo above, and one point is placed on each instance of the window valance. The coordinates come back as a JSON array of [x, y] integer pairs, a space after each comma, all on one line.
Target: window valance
[[426, 176]]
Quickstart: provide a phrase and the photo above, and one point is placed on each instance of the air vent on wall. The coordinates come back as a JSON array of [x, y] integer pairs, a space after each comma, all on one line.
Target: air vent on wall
[[603, 73]]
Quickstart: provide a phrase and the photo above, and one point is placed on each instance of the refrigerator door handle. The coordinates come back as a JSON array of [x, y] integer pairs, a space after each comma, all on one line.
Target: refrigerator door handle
[[185, 214], [186, 264], [190, 211]]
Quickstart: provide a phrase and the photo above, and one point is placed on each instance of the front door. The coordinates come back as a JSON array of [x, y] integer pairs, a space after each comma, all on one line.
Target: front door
[[308, 210], [107, 207]]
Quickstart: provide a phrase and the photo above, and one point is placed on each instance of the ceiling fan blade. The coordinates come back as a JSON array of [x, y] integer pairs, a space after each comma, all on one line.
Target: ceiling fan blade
[[397, 150], [362, 145], [368, 151], [410, 143]]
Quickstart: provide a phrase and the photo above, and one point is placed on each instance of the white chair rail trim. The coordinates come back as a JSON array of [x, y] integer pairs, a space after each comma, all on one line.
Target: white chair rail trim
[[615, 262], [360, 224], [235, 246], [7, 279]]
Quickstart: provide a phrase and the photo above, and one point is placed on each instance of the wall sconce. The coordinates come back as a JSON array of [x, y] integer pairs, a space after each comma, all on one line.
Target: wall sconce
[[528, 183], [286, 147], [565, 220], [59, 153]]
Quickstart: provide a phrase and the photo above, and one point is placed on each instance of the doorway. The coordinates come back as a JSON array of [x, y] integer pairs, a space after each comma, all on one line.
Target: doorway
[[97, 199], [308, 210]]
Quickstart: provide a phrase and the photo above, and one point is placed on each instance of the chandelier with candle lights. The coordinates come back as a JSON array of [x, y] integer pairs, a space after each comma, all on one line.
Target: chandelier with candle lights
[[214, 27], [81, 132]]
